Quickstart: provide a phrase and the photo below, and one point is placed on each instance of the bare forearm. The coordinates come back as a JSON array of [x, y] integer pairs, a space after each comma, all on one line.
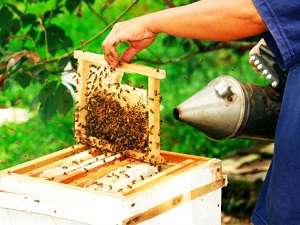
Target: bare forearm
[[218, 20], [221, 20]]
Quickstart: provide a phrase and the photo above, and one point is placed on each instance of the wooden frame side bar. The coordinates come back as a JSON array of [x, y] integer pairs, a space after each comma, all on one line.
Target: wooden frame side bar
[[125, 67], [154, 120]]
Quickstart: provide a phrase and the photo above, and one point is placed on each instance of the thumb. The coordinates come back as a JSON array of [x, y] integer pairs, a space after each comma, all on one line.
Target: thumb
[[129, 53]]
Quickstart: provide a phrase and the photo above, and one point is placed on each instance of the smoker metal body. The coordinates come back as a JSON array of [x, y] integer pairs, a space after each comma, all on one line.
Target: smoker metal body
[[227, 108]]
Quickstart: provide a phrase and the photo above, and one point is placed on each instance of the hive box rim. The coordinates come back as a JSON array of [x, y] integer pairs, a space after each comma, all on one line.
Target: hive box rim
[[20, 170]]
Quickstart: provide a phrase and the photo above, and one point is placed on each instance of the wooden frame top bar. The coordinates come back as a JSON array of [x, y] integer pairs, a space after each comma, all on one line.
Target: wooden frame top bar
[[125, 67]]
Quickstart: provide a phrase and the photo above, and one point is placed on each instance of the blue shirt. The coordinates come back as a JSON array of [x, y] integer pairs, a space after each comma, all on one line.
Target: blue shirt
[[279, 201]]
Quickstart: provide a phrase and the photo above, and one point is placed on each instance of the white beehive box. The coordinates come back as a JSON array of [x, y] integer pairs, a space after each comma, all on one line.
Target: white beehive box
[[64, 187]]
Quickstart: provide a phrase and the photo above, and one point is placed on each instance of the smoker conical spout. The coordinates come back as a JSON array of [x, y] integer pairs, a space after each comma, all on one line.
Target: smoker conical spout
[[217, 110], [226, 108]]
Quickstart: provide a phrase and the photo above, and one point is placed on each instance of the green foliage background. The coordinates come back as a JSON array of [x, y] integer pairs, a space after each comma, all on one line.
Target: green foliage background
[[52, 29]]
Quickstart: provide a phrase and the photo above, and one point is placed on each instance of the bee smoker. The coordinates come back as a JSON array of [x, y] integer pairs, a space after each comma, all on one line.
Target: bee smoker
[[227, 108]]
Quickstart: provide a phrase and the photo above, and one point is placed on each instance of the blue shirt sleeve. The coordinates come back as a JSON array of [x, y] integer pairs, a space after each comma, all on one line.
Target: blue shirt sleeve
[[282, 18]]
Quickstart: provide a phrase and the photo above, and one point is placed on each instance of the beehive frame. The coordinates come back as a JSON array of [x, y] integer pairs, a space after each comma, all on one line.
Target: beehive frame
[[85, 59]]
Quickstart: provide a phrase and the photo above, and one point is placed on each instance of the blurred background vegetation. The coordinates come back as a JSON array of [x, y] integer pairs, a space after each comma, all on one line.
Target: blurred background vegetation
[[37, 39]]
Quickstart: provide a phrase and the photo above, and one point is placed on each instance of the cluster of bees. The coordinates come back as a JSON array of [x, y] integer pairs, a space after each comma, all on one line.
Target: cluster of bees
[[122, 125]]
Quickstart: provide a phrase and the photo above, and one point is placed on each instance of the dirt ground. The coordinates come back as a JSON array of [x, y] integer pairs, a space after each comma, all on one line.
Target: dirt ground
[[231, 220]]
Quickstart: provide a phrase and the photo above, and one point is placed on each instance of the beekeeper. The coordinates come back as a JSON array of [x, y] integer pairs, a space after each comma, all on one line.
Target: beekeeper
[[226, 20]]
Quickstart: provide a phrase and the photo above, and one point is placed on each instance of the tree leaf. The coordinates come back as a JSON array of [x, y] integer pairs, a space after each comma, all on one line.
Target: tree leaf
[[64, 99], [57, 39], [90, 1], [48, 15], [6, 16], [48, 108], [169, 41], [32, 32], [48, 102], [15, 26], [28, 19], [186, 45], [8, 25], [46, 91], [23, 79], [71, 5]]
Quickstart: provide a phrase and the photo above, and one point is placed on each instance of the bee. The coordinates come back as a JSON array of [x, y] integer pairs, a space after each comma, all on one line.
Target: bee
[[129, 186], [132, 205], [126, 175], [152, 126], [151, 99], [110, 187], [142, 177]]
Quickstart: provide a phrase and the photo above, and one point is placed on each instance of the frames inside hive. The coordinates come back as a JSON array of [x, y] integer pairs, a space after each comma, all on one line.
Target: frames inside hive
[[117, 117]]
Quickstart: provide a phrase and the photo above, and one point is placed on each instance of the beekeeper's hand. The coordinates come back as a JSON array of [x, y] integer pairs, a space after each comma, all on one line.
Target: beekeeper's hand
[[135, 32], [220, 20]]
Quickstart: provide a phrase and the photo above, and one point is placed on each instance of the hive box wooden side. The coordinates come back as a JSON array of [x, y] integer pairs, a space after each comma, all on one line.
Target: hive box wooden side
[[172, 196]]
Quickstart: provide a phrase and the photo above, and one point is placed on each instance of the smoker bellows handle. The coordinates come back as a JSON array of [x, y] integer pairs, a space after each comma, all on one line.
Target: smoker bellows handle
[[265, 62]]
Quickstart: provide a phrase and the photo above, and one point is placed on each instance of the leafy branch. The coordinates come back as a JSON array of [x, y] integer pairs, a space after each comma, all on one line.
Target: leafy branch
[[84, 44], [98, 15]]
